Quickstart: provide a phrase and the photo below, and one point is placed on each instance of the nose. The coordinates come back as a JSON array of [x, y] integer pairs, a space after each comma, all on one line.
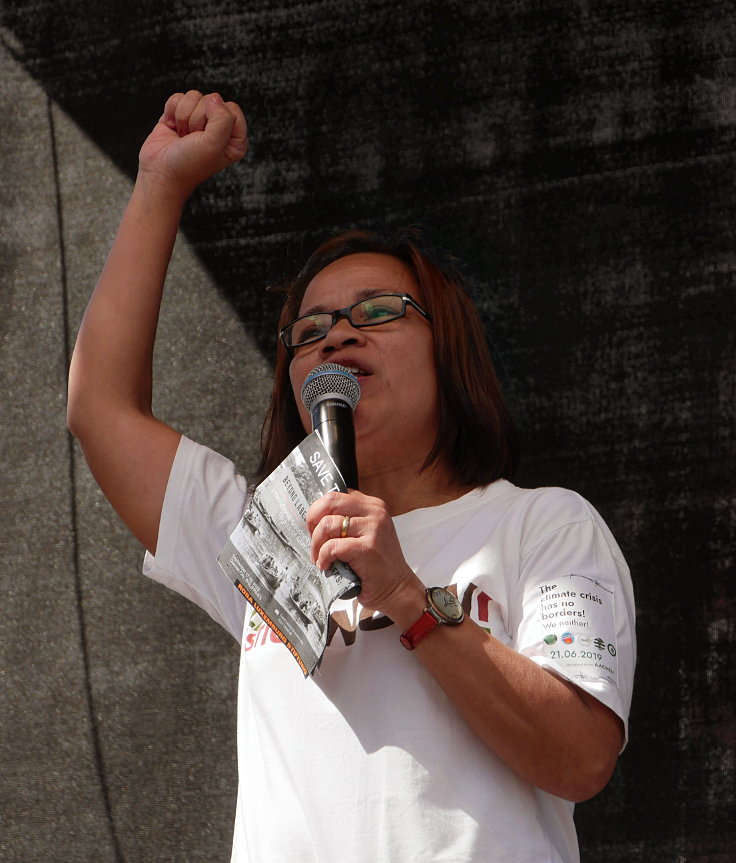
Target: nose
[[342, 333]]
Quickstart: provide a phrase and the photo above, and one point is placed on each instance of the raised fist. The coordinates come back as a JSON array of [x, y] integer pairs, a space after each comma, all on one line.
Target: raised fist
[[196, 136]]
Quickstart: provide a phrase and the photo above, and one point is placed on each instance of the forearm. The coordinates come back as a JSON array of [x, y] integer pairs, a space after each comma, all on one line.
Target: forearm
[[545, 729]]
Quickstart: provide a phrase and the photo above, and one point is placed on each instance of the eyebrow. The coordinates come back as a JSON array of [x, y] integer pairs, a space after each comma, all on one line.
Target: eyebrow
[[362, 294]]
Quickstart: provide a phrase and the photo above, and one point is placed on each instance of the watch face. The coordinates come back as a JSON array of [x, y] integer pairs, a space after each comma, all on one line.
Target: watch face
[[446, 604]]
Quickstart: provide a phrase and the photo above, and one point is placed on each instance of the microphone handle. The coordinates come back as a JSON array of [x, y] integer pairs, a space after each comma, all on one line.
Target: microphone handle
[[333, 419]]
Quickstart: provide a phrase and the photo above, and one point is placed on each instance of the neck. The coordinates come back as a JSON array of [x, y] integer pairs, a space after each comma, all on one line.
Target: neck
[[407, 487]]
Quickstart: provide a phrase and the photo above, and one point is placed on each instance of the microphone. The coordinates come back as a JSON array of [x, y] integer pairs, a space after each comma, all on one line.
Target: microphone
[[330, 394]]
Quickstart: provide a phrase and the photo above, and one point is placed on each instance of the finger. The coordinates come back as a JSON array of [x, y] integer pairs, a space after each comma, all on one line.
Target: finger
[[335, 549], [183, 111], [219, 128], [326, 529], [330, 527], [325, 555], [333, 503], [169, 115], [239, 132], [198, 118]]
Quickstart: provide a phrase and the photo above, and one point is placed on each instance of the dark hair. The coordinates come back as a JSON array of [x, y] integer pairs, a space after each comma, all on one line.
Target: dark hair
[[476, 436]]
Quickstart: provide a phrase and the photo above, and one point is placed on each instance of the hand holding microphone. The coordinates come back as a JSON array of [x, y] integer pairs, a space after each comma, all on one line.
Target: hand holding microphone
[[330, 394]]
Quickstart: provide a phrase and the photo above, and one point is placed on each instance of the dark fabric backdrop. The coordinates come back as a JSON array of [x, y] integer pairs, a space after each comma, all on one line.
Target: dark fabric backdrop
[[579, 158]]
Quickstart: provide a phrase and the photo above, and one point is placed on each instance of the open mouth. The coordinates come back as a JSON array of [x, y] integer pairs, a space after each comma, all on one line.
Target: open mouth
[[356, 370]]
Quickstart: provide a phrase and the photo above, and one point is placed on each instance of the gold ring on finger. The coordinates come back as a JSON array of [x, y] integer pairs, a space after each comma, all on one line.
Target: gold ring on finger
[[345, 526]]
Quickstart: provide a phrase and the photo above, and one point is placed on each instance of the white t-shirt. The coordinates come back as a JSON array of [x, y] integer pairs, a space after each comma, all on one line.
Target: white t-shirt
[[368, 760]]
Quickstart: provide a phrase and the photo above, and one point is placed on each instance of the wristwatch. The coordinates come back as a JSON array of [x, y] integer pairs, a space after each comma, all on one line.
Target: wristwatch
[[444, 608]]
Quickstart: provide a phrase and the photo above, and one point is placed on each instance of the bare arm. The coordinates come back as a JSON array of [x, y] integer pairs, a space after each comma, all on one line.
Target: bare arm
[[129, 451]]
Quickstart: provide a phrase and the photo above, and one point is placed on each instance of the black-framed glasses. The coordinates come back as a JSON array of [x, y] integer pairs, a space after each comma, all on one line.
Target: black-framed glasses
[[365, 313]]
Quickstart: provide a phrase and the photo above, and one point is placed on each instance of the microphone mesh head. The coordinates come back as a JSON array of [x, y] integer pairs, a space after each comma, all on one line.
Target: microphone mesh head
[[330, 380]]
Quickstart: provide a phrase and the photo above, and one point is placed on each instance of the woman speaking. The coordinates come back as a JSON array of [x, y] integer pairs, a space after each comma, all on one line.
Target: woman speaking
[[480, 682]]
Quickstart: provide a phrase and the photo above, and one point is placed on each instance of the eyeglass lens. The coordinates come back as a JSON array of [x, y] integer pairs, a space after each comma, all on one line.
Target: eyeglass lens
[[374, 310]]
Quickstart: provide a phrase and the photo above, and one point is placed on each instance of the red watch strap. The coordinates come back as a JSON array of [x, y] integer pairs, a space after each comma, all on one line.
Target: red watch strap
[[419, 630]]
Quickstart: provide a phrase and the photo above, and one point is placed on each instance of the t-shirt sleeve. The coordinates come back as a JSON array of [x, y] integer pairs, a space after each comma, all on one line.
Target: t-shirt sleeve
[[205, 498], [575, 601]]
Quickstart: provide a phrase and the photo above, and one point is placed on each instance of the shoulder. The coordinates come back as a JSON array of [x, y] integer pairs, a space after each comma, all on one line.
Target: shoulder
[[555, 506], [547, 505], [537, 514]]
